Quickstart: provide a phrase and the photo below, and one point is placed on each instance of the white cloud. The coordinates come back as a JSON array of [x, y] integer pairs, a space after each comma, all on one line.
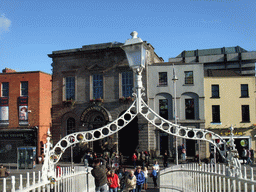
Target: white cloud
[[5, 23]]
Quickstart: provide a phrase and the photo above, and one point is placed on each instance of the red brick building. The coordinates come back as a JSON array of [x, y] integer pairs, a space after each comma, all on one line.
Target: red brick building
[[25, 111]]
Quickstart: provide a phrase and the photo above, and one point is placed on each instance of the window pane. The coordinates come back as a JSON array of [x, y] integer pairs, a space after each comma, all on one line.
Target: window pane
[[163, 108], [245, 113], [127, 83], [163, 78], [24, 88], [70, 88], [5, 89], [215, 91], [216, 114], [189, 109], [97, 86], [244, 90], [189, 77], [71, 124]]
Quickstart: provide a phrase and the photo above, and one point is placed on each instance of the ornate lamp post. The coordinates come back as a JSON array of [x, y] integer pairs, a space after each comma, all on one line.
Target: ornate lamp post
[[135, 50], [174, 79]]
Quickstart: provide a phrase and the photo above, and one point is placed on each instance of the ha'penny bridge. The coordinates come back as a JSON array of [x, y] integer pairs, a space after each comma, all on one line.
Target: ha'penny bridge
[[185, 177]]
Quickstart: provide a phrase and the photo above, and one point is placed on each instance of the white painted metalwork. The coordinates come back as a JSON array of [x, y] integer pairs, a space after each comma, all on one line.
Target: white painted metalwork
[[53, 154], [78, 179], [205, 177]]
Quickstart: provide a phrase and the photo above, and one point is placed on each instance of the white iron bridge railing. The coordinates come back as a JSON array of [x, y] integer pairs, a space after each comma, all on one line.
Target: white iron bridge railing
[[77, 179], [206, 178]]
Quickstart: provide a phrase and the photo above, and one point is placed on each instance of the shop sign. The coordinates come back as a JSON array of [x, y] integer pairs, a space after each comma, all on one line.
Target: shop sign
[[87, 112]]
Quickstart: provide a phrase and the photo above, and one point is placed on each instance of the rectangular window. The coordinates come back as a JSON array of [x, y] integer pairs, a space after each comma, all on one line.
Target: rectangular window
[[244, 90], [127, 84], [189, 109], [189, 77], [97, 86], [163, 108], [215, 114], [245, 113], [24, 88], [70, 88], [5, 89], [215, 91], [162, 78]]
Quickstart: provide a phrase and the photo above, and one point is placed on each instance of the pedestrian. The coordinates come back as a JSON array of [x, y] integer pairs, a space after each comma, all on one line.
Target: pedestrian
[[143, 159], [145, 171], [183, 153], [147, 158], [154, 176], [156, 166], [130, 182], [252, 155], [134, 159], [121, 159], [140, 179], [100, 176], [58, 171], [248, 161], [244, 155], [165, 158], [212, 158], [113, 181]]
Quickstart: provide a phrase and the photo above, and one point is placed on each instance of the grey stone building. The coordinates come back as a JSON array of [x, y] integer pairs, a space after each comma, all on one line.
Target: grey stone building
[[92, 86], [189, 99]]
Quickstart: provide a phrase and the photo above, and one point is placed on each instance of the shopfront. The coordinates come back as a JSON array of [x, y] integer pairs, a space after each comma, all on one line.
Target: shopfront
[[10, 140]]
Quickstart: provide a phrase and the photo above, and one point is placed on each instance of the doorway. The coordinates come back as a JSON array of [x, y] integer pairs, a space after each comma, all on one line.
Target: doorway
[[128, 138]]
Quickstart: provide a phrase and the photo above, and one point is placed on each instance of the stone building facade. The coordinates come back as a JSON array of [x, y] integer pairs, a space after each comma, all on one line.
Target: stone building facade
[[92, 86]]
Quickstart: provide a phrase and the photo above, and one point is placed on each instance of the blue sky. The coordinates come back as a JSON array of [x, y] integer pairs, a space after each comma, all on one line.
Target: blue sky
[[31, 29]]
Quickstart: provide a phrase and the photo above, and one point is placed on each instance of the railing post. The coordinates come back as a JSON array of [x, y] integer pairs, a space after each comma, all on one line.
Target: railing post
[[245, 177], [4, 185], [27, 179], [21, 183], [252, 179], [13, 183]]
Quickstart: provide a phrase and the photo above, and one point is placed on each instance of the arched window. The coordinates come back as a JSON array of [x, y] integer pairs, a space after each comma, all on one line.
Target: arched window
[[71, 125]]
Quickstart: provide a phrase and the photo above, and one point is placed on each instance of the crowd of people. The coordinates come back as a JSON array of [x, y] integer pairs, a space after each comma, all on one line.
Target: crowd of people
[[111, 176]]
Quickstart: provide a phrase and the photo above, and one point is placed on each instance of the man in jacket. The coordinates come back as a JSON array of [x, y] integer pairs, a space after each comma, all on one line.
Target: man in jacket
[[140, 179], [100, 176]]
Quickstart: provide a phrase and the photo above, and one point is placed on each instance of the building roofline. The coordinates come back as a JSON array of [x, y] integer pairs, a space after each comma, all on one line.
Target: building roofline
[[20, 72]]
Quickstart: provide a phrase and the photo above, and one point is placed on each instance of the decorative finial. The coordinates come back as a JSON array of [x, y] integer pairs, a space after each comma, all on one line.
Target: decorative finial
[[134, 34]]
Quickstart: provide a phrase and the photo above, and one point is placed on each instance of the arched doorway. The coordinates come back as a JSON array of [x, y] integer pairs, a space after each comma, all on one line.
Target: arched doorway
[[128, 138], [92, 118]]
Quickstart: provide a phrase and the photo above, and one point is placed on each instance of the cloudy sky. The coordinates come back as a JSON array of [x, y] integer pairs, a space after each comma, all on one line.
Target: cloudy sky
[[31, 29]]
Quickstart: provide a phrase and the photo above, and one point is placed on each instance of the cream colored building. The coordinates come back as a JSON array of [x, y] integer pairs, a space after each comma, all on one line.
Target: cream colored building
[[230, 101]]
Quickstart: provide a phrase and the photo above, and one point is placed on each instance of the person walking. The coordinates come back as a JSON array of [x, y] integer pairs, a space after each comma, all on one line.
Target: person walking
[[183, 153], [134, 159], [244, 155], [165, 158], [113, 181], [156, 166], [100, 176], [145, 171], [130, 182], [154, 176], [248, 161], [252, 155], [140, 179]]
